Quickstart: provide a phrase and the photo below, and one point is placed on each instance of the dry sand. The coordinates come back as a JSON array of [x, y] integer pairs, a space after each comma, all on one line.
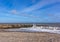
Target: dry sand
[[28, 37]]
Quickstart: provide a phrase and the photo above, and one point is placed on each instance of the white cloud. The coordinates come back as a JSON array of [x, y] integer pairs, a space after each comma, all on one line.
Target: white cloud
[[13, 11], [39, 5]]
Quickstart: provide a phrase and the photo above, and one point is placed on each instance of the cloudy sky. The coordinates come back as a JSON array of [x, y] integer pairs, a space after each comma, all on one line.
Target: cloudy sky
[[17, 11]]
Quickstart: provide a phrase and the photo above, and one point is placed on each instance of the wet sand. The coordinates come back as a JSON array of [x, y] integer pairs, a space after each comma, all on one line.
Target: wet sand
[[28, 37]]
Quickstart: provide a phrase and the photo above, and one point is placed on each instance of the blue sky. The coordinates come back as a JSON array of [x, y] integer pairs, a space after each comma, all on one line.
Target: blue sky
[[17, 11]]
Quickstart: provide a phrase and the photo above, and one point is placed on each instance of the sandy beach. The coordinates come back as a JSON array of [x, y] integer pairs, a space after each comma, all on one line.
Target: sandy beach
[[28, 37]]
